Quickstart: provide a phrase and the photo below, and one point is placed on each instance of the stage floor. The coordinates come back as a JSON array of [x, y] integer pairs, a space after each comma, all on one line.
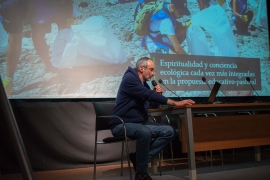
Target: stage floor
[[242, 166]]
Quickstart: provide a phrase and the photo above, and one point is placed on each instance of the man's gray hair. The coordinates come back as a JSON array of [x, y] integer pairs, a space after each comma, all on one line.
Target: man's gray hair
[[142, 62]]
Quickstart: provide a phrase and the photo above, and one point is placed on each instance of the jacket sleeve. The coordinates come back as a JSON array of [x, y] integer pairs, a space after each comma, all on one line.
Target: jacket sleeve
[[136, 89]]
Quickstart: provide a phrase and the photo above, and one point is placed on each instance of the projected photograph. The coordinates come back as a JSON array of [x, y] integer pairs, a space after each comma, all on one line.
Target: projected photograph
[[81, 48]]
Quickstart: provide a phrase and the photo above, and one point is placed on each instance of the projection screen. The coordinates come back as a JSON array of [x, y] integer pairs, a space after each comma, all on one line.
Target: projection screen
[[81, 48]]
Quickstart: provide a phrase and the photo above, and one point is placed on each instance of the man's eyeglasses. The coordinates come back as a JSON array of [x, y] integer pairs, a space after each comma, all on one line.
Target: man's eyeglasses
[[151, 69]]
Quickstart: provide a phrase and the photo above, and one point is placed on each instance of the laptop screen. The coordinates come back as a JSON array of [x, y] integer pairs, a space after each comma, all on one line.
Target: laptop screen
[[213, 94]]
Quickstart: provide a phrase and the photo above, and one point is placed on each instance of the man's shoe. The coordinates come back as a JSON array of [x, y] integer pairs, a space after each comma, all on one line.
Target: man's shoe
[[142, 176], [132, 158]]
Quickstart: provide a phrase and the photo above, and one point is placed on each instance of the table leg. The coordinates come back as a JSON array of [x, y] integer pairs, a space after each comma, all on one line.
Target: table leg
[[190, 145], [257, 148]]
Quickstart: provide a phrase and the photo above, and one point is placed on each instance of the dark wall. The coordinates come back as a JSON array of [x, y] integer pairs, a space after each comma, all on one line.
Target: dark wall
[[59, 133], [56, 134]]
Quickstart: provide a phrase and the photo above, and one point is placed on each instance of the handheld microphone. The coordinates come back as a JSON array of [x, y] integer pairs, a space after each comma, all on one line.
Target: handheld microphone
[[161, 82], [217, 101], [154, 83], [248, 80]]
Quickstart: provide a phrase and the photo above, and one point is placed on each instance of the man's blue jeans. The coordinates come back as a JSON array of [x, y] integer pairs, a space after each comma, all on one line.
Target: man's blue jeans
[[150, 140]]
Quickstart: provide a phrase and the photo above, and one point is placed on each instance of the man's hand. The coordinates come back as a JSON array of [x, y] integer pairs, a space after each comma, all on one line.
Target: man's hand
[[158, 89], [184, 102], [180, 103]]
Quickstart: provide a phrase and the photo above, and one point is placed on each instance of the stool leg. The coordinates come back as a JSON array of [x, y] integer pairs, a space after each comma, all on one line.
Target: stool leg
[[160, 170], [233, 154], [221, 154], [211, 158], [122, 158], [172, 154]]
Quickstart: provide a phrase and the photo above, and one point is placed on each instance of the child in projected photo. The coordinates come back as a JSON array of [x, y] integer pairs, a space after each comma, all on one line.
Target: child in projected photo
[[166, 33], [14, 14], [182, 6], [203, 4], [140, 5], [43, 14], [39, 14], [242, 16]]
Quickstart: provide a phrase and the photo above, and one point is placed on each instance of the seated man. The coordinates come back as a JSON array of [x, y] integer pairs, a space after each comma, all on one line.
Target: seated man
[[166, 33], [132, 101]]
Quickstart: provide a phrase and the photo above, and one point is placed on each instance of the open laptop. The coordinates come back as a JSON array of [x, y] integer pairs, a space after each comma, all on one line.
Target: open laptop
[[213, 94]]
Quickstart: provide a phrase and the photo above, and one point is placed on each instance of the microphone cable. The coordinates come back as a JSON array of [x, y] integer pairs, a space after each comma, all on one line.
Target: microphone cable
[[248, 80], [161, 82]]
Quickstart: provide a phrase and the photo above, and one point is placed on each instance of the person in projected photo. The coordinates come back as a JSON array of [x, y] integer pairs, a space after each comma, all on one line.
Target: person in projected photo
[[182, 5], [242, 16], [166, 33], [132, 102], [206, 3], [203, 4], [43, 14], [39, 14], [140, 5], [14, 15]]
